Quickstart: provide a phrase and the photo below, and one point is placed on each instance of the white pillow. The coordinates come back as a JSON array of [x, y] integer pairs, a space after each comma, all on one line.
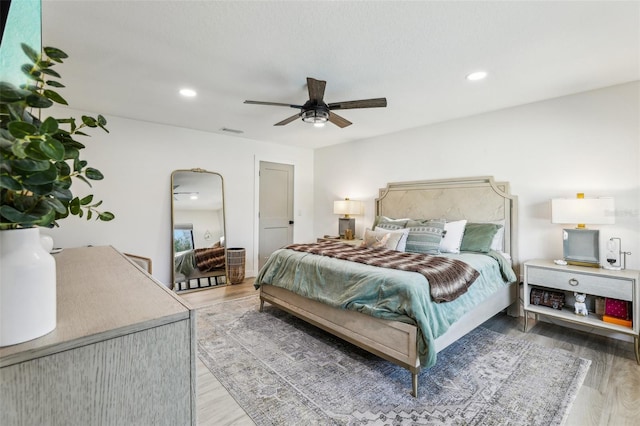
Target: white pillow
[[381, 239], [452, 239], [497, 243], [404, 233]]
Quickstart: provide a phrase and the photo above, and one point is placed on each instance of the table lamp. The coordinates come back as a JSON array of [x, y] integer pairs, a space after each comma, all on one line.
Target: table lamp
[[581, 246], [347, 224]]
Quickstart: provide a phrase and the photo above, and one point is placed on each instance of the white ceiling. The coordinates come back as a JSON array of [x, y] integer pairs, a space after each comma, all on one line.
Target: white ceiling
[[130, 58]]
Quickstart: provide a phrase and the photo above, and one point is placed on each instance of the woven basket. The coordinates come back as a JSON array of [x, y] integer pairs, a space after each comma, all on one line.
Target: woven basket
[[235, 265]]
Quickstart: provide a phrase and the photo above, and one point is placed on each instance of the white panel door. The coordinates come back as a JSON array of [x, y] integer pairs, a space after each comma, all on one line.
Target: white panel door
[[276, 208]]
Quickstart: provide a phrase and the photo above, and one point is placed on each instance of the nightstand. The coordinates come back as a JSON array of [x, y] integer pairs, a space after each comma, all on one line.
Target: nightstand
[[354, 242], [622, 285]]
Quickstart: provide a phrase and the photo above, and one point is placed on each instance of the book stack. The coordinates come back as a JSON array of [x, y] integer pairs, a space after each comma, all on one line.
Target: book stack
[[617, 312]]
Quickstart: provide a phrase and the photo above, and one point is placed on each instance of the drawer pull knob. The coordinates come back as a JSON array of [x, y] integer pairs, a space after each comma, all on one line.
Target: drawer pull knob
[[573, 282]]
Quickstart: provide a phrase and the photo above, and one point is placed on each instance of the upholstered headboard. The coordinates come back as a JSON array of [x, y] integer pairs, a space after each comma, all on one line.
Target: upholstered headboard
[[477, 199]]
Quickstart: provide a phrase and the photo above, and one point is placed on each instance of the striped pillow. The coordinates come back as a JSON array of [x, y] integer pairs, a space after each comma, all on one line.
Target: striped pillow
[[390, 224], [425, 236]]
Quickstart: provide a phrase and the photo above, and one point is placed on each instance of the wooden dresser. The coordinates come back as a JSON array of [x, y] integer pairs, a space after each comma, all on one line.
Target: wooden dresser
[[123, 351]]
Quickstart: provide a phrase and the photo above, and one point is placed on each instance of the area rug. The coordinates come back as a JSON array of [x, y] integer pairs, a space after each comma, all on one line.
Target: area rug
[[282, 371]]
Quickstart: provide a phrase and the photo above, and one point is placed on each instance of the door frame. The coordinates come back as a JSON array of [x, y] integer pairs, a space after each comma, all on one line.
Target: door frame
[[256, 202]]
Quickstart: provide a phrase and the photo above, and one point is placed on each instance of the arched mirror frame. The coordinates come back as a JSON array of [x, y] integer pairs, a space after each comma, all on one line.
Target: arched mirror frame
[[206, 280]]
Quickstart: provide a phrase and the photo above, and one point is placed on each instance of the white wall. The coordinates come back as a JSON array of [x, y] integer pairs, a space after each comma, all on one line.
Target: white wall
[[137, 159], [588, 142]]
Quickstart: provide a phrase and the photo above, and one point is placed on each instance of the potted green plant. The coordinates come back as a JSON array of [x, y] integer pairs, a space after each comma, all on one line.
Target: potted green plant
[[40, 159]]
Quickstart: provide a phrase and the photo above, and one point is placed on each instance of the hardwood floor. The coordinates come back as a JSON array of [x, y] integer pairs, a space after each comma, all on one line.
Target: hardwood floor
[[610, 394], [214, 405]]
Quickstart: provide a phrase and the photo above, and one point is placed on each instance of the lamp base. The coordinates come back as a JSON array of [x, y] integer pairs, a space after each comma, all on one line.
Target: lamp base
[[345, 223]]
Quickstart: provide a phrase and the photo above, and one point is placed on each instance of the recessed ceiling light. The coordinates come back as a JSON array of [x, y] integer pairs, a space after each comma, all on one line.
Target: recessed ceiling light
[[188, 93], [478, 75]]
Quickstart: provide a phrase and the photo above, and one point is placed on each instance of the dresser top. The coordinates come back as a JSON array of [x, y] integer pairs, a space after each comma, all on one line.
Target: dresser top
[[101, 294]]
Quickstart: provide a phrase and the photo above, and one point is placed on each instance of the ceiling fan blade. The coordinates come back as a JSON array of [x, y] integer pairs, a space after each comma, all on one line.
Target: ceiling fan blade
[[316, 89], [364, 103], [339, 121], [272, 103], [287, 120]]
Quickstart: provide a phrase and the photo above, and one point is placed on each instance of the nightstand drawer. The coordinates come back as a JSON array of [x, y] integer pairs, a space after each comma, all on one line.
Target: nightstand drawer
[[616, 288]]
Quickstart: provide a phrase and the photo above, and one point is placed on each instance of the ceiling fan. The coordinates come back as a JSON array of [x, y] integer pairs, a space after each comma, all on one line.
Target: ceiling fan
[[316, 111], [193, 195]]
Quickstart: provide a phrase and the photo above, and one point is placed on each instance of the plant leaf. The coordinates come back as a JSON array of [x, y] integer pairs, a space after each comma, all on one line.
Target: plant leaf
[[55, 53], [38, 101], [30, 52], [71, 153], [86, 200], [89, 121], [49, 71], [48, 218], [54, 96], [10, 93], [52, 149], [8, 182], [34, 150], [106, 216], [93, 174], [31, 72], [62, 194], [12, 215], [39, 189], [19, 149], [74, 206], [20, 129], [54, 83], [43, 177], [50, 125], [63, 168], [56, 205], [30, 165]]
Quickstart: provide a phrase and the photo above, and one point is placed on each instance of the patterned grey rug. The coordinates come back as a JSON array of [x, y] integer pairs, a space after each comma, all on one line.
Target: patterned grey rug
[[283, 371]]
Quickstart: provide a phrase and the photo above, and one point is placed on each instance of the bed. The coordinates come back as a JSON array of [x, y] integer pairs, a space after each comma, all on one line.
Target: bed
[[408, 337]]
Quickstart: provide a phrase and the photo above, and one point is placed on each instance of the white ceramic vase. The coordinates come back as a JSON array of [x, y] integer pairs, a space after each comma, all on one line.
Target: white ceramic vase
[[27, 287]]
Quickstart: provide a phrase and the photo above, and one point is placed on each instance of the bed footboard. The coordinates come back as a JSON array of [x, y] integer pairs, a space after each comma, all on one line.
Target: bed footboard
[[392, 340]]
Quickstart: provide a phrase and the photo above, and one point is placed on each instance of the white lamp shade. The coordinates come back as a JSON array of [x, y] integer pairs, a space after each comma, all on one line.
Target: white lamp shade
[[348, 207], [594, 211]]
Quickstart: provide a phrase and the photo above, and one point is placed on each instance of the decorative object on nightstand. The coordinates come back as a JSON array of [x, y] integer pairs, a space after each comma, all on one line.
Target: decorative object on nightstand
[[581, 246], [347, 207], [616, 258], [619, 289], [580, 306]]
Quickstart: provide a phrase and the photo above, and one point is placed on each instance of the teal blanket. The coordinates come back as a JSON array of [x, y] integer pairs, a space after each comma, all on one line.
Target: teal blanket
[[385, 293]]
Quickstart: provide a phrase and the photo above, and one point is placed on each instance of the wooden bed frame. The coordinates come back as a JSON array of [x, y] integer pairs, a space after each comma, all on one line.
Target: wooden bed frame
[[477, 199]]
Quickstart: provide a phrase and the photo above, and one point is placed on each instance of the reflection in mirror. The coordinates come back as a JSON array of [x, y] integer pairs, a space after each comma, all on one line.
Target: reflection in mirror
[[198, 229]]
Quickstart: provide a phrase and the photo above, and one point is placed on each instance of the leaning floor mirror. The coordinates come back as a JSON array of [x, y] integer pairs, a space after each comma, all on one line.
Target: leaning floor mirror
[[198, 230]]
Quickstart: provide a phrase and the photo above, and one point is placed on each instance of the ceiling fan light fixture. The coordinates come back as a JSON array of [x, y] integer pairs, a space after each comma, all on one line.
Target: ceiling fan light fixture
[[315, 116]]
